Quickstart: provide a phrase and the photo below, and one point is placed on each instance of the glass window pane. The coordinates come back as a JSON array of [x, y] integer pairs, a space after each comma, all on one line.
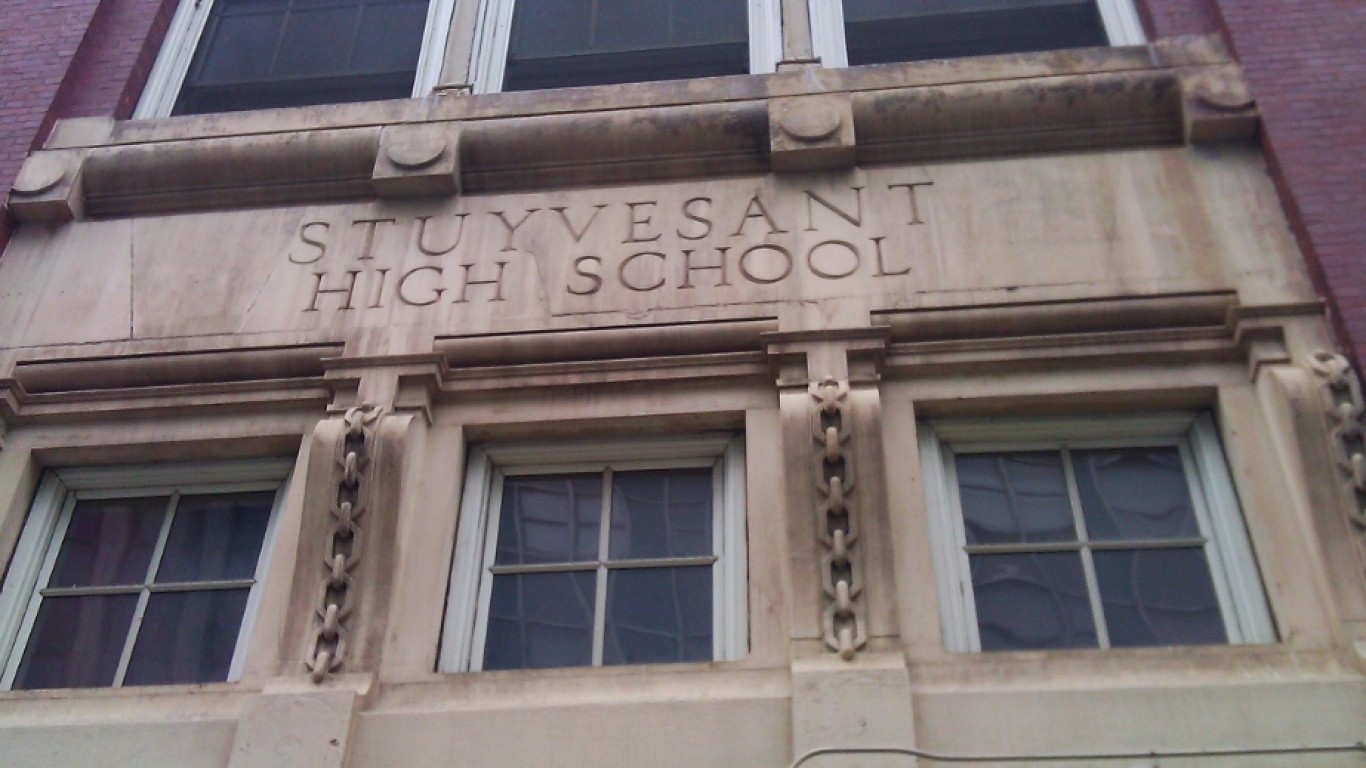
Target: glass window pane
[[237, 46], [390, 37], [109, 541], [880, 31], [1033, 600], [661, 513], [561, 43], [1134, 493], [658, 615], [216, 537], [76, 642], [317, 41], [540, 620], [1014, 497], [187, 637], [549, 519], [1158, 597]]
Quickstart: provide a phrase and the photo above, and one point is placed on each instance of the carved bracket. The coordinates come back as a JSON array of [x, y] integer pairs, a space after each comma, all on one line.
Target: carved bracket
[[1345, 409], [809, 133], [1217, 105], [845, 629], [336, 595], [49, 188], [418, 160]]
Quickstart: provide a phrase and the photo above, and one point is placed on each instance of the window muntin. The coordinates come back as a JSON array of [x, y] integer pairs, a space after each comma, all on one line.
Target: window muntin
[[138, 577], [633, 553], [535, 44], [856, 32], [1083, 539]]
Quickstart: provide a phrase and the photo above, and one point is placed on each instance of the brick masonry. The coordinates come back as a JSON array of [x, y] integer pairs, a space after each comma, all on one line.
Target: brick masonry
[[1305, 59]]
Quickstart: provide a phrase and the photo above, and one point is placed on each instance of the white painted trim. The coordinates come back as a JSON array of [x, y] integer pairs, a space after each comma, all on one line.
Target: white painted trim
[[173, 61], [470, 589], [1121, 22], [765, 35], [1232, 565], [827, 32], [39, 543], [433, 52]]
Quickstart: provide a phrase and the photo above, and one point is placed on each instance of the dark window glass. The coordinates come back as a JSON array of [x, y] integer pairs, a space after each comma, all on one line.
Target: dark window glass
[[539, 620], [549, 519], [658, 616], [187, 637], [170, 576], [560, 43], [881, 31], [1032, 600], [1134, 493], [1159, 597], [76, 642], [259, 54], [1014, 498], [661, 513]]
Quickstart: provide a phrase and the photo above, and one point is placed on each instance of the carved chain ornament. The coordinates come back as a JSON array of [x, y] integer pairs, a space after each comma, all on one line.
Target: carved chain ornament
[[1346, 407], [336, 595], [841, 581]]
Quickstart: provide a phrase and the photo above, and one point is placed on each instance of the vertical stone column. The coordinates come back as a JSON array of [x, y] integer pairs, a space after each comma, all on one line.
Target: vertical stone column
[[333, 638], [851, 697]]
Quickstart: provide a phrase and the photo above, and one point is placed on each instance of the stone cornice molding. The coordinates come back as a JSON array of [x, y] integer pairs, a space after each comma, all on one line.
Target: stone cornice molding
[[1163, 94]]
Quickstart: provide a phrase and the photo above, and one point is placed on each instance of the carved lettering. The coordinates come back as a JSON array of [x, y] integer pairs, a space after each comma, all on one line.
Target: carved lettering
[[436, 291], [621, 271], [632, 233], [497, 282], [754, 278], [831, 274], [422, 235], [755, 204], [689, 268], [319, 290], [512, 228], [882, 265], [370, 226], [321, 245], [912, 198], [378, 301], [596, 279], [579, 233], [696, 217], [853, 218]]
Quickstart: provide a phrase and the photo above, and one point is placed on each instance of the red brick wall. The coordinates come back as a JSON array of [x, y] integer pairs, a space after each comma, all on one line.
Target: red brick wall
[[1168, 18], [1306, 63], [69, 58]]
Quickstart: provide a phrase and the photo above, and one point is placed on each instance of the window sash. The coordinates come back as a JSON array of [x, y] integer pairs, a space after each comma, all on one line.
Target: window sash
[[472, 570], [187, 27], [1223, 537], [45, 532]]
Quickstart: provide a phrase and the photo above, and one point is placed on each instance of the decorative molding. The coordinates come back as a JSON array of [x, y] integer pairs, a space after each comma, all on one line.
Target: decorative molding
[[1217, 105], [1346, 405], [843, 622], [337, 595]]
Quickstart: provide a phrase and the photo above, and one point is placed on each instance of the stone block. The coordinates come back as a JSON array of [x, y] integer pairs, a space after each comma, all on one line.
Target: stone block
[[295, 728], [418, 160], [809, 133], [48, 187]]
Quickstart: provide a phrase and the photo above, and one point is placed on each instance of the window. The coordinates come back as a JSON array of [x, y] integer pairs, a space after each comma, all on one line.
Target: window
[[1083, 534], [228, 55], [138, 576], [599, 554], [531, 44], [855, 32]]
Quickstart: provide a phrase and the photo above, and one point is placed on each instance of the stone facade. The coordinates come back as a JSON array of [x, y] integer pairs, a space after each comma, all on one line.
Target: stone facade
[[834, 264]]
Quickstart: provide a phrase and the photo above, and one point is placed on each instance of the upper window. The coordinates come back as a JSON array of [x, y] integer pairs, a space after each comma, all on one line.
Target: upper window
[[602, 554], [229, 55], [1112, 533], [531, 44], [137, 576], [854, 32]]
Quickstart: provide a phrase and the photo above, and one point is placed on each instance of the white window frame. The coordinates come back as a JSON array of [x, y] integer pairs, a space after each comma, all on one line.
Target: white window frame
[[1233, 568], [44, 531], [465, 626], [493, 35], [1120, 17], [187, 26]]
